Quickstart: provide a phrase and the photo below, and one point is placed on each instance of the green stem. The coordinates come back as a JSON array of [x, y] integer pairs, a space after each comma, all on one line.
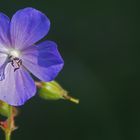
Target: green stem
[[7, 136], [8, 131]]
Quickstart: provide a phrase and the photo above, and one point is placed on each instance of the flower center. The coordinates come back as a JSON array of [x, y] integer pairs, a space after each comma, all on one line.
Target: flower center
[[14, 53], [16, 62]]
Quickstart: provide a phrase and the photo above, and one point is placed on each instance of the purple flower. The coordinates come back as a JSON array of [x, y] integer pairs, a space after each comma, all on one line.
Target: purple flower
[[19, 55]]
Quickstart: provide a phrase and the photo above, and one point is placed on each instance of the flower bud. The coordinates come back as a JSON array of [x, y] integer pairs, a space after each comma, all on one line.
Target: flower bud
[[4, 109], [53, 91]]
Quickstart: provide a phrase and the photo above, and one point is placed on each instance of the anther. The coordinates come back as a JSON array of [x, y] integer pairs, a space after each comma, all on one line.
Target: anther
[[15, 62]]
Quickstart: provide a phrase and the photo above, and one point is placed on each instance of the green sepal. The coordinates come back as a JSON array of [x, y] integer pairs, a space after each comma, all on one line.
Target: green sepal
[[51, 91]]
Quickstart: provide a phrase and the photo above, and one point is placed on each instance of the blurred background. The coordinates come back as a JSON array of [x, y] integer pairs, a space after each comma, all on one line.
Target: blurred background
[[99, 41]]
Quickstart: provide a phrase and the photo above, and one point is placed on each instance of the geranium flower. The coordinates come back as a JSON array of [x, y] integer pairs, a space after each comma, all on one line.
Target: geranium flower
[[19, 55]]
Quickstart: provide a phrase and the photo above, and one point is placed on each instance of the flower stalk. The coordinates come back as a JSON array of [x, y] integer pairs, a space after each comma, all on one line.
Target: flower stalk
[[8, 126], [7, 136]]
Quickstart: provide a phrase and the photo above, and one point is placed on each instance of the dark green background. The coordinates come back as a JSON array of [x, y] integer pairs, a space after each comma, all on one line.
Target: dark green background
[[99, 41]]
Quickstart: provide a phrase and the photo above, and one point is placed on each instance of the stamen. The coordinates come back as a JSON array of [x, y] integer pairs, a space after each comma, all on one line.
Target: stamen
[[15, 62]]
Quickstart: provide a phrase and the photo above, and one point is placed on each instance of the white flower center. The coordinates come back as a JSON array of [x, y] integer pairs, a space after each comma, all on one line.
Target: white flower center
[[14, 53], [14, 59]]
